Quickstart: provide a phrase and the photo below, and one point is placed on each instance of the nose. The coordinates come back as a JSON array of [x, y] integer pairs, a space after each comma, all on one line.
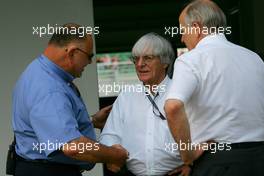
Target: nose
[[140, 62]]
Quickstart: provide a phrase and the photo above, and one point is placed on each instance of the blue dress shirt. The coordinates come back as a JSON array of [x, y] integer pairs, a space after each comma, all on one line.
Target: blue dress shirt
[[47, 112]]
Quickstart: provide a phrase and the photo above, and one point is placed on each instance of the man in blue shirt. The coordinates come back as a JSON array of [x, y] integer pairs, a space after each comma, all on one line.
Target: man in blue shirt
[[54, 133]]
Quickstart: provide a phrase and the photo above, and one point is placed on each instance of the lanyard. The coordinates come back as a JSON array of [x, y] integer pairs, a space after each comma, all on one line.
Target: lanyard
[[155, 106]]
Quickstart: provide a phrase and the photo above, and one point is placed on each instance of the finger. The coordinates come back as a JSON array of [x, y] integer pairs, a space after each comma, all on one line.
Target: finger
[[198, 153], [117, 146], [174, 172], [113, 168], [186, 171], [184, 174], [108, 108]]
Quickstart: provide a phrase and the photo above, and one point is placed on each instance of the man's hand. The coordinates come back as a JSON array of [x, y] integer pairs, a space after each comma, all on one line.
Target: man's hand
[[116, 167], [100, 117], [184, 170], [123, 153], [113, 168]]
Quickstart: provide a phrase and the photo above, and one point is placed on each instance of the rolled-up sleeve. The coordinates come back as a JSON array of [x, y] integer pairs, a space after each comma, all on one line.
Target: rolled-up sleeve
[[184, 81], [54, 122]]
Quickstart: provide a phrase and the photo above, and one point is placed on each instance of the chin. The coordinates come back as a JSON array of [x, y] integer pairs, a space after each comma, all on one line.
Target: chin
[[144, 80], [78, 75]]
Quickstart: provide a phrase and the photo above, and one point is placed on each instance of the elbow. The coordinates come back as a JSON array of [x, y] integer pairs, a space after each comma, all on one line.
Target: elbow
[[172, 107]]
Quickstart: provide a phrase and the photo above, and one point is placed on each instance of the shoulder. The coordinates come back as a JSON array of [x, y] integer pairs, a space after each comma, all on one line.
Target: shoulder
[[39, 82], [192, 55], [192, 59]]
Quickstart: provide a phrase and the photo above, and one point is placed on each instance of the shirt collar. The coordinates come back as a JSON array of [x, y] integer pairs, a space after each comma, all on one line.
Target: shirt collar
[[56, 69], [210, 38], [161, 87]]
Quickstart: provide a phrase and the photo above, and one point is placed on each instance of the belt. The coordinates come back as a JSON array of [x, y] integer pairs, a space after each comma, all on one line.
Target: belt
[[42, 161], [46, 162], [47, 167], [245, 145]]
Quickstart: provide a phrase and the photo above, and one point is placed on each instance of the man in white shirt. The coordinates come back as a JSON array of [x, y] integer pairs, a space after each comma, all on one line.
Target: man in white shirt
[[217, 95], [138, 124]]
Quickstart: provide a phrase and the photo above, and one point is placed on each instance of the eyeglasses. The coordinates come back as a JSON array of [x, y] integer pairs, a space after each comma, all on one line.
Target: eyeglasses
[[146, 59], [89, 56]]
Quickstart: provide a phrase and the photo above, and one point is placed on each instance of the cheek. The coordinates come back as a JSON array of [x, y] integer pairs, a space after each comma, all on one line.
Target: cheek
[[81, 63], [188, 41], [183, 38], [144, 76], [76, 66]]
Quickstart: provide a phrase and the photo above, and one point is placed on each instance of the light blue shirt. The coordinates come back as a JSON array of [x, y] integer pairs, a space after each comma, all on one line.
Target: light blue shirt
[[47, 112]]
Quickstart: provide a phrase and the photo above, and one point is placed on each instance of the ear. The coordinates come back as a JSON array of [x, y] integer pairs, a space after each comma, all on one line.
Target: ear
[[69, 54], [198, 29], [70, 51]]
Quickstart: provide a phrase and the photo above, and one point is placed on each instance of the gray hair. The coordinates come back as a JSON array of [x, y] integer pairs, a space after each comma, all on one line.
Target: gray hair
[[206, 12], [154, 44]]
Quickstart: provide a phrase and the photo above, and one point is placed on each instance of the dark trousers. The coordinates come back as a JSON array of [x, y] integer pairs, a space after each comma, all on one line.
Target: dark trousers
[[123, 172], [236, 162], [127, 173], [25, 168]]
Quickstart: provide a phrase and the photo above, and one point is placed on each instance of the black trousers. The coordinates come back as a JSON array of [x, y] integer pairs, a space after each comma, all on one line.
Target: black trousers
[[123, 172], [236, 162], [26, 168]]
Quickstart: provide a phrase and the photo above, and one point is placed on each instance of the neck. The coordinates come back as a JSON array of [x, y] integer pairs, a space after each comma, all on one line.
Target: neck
[[153, 86], [55, 54]]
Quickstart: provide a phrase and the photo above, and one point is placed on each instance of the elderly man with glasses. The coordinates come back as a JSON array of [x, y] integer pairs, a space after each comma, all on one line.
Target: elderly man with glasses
[[137, 119]]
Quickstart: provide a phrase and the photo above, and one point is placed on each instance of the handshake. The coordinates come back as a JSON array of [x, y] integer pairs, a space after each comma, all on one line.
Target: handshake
[[122, 154]]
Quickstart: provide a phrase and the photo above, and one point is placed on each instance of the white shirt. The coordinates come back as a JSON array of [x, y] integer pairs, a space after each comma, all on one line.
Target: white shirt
[[222, 87], [146, 136]]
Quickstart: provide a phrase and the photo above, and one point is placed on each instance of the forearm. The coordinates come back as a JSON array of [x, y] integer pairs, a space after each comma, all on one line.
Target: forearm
[[95, 152], [179, 127]]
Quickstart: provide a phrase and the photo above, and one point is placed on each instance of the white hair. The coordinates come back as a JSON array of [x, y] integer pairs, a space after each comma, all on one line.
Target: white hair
[[156, 45], [206, 12]]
